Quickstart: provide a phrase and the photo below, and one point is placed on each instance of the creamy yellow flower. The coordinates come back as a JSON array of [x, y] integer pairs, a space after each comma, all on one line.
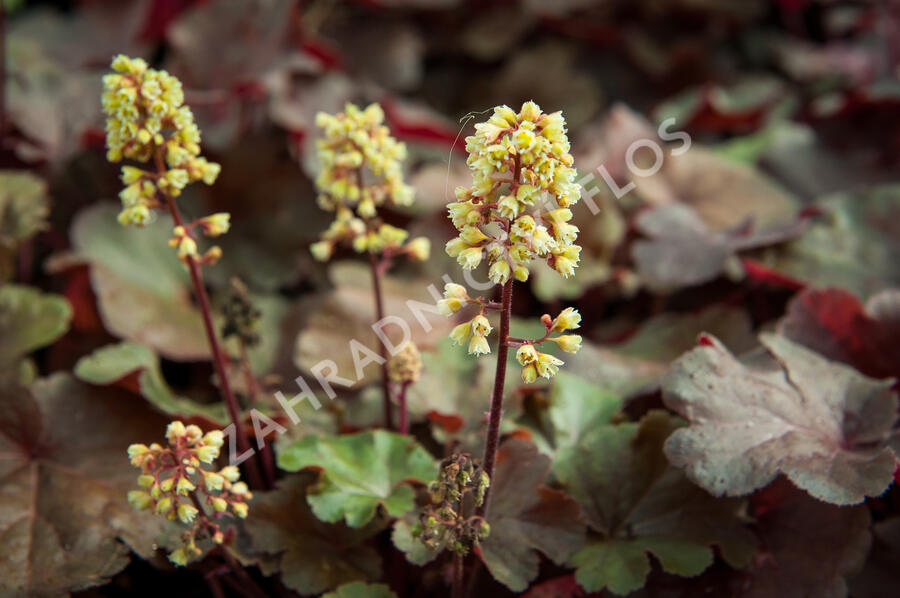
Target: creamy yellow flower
[[520, 162]]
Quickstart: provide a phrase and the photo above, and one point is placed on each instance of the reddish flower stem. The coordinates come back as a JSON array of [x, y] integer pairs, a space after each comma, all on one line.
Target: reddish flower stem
[[253, 476], [266, 455], [403, 427], [493, 433], [382, 350], [458, 587]]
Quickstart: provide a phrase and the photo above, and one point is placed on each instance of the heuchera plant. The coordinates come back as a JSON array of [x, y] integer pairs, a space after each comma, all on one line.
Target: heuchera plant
[[147, 122], [361, 171], [516, 212], [178, 485]]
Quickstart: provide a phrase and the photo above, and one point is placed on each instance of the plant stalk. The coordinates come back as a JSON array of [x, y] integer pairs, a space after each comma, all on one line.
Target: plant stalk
[[265, 453], [382, 350], [493, 434], [458, 587], [218, 354], [403, 427]]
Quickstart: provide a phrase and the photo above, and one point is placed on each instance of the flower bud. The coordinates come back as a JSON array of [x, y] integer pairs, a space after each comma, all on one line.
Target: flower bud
[[322, 250], [405, 366], [230, 473], [187, 513], [448, 307], [184, 486], [175, 432], [460, 333], [207, 454], [240, 509], [529, 374], [568, 319], [139, 500], [454, 290], [136, 453], [570, 343], [419, 248], [193, 433], [214, 438]]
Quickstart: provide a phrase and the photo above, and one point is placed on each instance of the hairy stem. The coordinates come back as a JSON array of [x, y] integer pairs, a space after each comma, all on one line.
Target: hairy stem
[[382, 350], [493, 434], [217, 353]]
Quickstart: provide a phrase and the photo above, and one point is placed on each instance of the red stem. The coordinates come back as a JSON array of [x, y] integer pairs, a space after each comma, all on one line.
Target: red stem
[[249, 378], [217, 353], [265, 453], [382, 350], [493, 434], [403, 428], [458, 576]]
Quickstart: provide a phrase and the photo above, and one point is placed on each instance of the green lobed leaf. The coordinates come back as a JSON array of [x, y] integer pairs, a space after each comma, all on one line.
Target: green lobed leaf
[[821, 423], [360, 473], [636, 504], [574, 407], [24, 206], [111, 363], [29, 319]]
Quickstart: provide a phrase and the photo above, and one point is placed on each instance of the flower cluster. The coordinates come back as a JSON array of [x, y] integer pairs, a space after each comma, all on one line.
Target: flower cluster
[[147, 120], [476, 330], [361, 170], [405, 366], [518, 163], [533, 362], [442, 522], [173, 481], [241, 316]]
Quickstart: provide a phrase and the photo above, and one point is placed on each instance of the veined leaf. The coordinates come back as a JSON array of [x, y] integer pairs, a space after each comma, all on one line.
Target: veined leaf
[[360, 473], [638, 504], [29, 319], [64, 477], [821, 423]]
